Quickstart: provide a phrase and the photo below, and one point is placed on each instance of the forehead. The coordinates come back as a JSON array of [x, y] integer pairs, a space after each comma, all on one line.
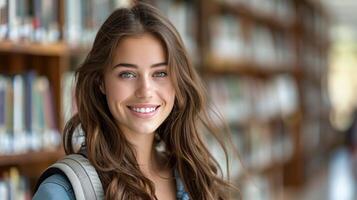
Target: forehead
[[145, 48]]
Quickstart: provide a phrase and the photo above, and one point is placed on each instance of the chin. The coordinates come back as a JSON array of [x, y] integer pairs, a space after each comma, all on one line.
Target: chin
[[145, 131]]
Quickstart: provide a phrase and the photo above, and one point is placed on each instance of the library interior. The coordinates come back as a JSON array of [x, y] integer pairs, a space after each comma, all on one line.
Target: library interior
[[283, 74]]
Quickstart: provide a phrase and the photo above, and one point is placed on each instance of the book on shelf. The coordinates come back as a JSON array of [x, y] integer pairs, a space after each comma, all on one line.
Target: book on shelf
[[14, 186], [27, 115], [68, 104], [19, 134], [3, 19], [3, 96]]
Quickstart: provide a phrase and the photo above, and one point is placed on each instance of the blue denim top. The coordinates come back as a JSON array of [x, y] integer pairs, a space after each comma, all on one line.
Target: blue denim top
[[57, 187]]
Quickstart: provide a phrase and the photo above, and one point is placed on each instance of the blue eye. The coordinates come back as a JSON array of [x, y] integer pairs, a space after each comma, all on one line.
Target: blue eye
[[127, 75], [160, 74]]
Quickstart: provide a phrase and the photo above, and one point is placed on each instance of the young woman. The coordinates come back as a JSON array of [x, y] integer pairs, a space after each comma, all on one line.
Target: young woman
[[135, 91]]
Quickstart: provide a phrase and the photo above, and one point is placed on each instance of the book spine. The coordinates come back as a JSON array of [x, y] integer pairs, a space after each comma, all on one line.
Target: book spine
[[9, 102], [2, 114], [29, 80], [13, 20], [19, 137], [3, 19], [73, 22], [51, 135]]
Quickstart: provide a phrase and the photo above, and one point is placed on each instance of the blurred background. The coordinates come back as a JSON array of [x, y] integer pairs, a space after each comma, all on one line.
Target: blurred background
[[283, 73]]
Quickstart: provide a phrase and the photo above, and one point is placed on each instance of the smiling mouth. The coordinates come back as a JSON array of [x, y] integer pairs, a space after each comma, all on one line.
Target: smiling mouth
[[144, 109]]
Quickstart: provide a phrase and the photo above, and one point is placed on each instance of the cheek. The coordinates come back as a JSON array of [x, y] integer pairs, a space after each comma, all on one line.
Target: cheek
[[117, 92], [169, 93]]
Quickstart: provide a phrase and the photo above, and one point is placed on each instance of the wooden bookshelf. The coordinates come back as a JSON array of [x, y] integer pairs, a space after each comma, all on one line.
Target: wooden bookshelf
[[248, 69], [31, 157], [294, 169], [244, 11], [48, 59], [29, 48]]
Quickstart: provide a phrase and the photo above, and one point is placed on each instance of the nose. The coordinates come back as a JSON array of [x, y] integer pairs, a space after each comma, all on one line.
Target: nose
[[144, 88]]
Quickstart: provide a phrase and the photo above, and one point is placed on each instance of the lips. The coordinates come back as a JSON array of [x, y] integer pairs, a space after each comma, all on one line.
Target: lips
[[144, 109]]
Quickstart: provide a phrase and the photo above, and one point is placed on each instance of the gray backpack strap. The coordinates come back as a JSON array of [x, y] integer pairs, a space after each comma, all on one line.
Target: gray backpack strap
[[81, 174]]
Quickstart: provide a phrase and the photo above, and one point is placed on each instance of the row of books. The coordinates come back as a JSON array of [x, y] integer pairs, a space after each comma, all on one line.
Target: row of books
[[27, 115], [84, 18], [81, 27], [259, 145], [39, 21], [229, 44], [240, 99], [271, 47], [279, 9], [184, 16], [35, 21], [14, 186], [266, 146]]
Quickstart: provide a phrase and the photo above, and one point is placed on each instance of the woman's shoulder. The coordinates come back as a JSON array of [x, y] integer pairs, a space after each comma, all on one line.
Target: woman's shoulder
[[55, 187]]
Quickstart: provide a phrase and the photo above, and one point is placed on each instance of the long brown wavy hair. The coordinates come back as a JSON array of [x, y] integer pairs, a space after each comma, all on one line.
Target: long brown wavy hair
[[109, 151]]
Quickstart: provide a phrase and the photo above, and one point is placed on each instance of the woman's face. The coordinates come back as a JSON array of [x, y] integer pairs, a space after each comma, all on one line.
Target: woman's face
[[138, 88]]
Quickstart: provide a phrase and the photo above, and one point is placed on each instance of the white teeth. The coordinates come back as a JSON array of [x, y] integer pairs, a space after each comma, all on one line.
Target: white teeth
[[143, 110]]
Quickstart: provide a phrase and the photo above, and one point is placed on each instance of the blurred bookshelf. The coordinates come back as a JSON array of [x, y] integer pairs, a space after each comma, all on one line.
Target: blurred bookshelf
[[264, 63]]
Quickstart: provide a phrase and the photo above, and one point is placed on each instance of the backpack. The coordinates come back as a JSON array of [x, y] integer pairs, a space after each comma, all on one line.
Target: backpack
[[80, 173]]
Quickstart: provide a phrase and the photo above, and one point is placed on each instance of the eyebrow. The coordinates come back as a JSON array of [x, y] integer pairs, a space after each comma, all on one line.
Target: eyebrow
[[135, 66]]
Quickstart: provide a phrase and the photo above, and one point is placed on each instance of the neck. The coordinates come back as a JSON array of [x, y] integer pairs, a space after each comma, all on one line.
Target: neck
[[145, 152]]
